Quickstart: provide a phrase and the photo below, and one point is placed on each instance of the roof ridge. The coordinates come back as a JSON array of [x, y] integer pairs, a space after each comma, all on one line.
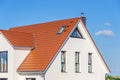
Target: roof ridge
[[45, 22]]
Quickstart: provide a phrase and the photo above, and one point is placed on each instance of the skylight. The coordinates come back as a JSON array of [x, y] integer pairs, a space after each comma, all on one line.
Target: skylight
[[61, 29]]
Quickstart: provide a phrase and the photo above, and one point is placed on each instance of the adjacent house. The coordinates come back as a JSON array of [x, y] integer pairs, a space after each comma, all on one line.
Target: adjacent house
[[57, 50]]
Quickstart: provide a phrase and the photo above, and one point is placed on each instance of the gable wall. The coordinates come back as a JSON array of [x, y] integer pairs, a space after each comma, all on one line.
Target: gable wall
[[84, 47], [5, 46], [15, 58], [19, 56]]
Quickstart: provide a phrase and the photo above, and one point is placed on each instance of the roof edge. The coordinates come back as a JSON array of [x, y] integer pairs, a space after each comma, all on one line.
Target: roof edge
[[23, 47], [96, 47], [61, 46], [6, 38], [30, 72], [44, 22]]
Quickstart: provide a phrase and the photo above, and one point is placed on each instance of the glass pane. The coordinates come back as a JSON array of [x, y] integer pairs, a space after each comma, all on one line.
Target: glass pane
[[90, 59], [63, 57], [3, 61], [63, 63], [3, 78], [63, 67], [30, 78], [90, 62], [77, 57], [89, 68], [61, 29], [77, 67], [76, 34]]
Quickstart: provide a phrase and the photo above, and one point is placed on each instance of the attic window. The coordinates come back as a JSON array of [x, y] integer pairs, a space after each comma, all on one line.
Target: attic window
[[76, 33], [61, 29]]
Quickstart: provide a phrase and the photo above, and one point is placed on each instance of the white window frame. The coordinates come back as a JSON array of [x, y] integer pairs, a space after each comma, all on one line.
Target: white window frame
[[89, 62], [77, 62], [63, 61], [3, 63]]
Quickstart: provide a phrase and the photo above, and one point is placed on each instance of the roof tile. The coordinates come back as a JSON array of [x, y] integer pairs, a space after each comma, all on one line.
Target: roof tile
[[48, 42], [19, 38]]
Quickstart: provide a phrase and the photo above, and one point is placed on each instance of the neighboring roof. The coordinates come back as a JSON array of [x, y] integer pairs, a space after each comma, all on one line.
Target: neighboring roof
[[19, 38], [48, 42]]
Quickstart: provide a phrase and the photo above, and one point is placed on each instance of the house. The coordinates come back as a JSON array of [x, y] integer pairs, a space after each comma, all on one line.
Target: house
[[57, 50]]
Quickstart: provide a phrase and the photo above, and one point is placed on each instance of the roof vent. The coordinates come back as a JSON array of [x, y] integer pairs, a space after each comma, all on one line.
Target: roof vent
[[61, 29]]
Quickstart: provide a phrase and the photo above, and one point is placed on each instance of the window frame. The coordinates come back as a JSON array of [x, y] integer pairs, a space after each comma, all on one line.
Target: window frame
[[89, 62], [63, 61], [62, 28], [1, 52], [31, 78], [77, 63], [4, 78], [76, 31]]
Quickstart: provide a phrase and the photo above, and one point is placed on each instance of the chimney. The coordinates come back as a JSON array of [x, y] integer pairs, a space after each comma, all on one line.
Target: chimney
[[83, 18]]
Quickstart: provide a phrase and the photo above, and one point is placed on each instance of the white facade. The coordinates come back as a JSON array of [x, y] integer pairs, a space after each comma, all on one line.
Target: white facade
[[82, 45]]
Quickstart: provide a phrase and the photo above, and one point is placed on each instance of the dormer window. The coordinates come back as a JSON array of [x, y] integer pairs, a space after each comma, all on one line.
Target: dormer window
[[76, 33], [61, 29]]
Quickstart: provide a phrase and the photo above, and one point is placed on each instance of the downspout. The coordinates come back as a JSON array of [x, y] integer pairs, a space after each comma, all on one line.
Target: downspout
[[43, 75]]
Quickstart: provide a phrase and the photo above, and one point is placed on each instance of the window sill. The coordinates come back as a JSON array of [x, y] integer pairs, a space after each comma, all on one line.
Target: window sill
[[77, 37], [77, 72], [90, 72], [63, 72]]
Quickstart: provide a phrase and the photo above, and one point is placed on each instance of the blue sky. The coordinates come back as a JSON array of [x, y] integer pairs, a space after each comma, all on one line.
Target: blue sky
[[103, 20]]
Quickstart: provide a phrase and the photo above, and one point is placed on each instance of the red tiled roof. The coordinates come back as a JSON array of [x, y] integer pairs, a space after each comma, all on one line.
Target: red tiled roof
[[48, 42], [19, 38]]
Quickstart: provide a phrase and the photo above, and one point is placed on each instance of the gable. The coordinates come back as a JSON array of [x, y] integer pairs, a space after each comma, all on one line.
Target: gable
[[91, 41], [84, 46]]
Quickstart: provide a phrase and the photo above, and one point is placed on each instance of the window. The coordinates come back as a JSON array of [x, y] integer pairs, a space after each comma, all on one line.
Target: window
[[63, 61], [76, 34], [3, 78], [76, 62], [89, 62], [30, 79], [61, 29], [3, 61]]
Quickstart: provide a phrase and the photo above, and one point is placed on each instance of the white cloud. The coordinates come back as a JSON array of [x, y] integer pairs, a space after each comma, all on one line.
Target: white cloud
[[107, 24], [107, 33]]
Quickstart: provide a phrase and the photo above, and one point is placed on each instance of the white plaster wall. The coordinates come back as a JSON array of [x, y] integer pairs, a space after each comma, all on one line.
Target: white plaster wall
[[84, 46], [5, 46], [15, 59], [19, 56]]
